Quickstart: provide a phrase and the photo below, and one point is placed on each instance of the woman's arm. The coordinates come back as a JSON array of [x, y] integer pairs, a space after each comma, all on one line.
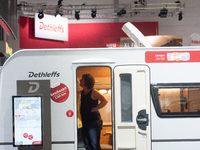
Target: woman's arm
[[97, 95]]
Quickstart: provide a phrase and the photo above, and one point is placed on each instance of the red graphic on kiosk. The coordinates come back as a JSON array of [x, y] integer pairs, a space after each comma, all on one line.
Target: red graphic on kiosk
[[59, 93], [25, 135], [36, 143], [30, 137]]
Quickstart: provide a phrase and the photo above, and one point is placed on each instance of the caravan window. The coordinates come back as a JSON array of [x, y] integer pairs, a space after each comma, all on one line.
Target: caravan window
[[176, 100], [126, 97]]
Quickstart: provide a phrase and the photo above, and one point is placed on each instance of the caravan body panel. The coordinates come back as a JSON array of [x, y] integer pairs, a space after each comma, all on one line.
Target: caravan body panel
[[59, 68]]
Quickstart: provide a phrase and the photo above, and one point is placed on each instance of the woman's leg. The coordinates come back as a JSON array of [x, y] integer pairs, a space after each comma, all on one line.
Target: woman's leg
[[86, 138], [94, 138]]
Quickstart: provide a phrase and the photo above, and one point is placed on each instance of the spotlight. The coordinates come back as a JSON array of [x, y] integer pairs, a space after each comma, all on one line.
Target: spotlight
[[40, 15], [177, 2], [163, 13], [58, 14], [180, 16], [60, 3], [142, 2], [121, 12], [77, 15], [94, 13]]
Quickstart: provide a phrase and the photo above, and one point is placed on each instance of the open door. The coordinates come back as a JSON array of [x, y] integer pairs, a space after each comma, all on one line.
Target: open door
[[102, 75], [132, 107]]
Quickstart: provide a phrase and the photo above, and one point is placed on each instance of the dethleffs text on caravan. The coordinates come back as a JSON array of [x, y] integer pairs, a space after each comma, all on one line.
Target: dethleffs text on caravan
[[43, 74]]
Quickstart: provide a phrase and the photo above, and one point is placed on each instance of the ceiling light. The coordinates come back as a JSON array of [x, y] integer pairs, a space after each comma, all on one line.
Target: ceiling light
[[94, 13], [60, 3], [143, 2], [40, 15], [180, 16], [58, 14], [121, 12], [163, 13], [177, 2], [77, 15]]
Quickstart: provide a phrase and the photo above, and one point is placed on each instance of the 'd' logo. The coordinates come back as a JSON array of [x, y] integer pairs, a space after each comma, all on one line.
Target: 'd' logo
[[34, 86]]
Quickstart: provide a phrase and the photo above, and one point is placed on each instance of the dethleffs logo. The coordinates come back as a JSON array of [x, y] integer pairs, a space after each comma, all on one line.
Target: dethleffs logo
[[34, 86], [195, 41], [43, 74], [51, 27]]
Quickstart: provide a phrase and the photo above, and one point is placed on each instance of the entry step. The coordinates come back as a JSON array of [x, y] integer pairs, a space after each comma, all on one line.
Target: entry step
[[106, 147]]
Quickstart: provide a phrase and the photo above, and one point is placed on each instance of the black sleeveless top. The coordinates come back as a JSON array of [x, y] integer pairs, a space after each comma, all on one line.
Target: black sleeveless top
[[89, 118]]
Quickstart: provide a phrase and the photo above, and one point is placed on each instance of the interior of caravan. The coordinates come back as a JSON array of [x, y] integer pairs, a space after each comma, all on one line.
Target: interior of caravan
[[102, 76]]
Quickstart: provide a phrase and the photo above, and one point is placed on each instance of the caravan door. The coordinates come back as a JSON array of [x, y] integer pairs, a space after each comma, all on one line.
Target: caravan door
[[132, 107]]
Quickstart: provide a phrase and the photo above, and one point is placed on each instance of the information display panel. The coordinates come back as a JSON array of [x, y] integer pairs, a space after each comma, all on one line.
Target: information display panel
[[27, 121]]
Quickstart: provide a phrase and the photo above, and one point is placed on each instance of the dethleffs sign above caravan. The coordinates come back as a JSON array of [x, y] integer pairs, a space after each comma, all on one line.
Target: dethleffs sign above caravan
[[50, 27]]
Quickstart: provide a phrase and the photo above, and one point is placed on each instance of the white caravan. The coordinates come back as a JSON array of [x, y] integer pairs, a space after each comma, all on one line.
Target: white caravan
[[153, 97]]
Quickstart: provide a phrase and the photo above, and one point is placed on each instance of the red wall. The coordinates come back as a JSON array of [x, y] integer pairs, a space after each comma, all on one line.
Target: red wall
[[83, 35]]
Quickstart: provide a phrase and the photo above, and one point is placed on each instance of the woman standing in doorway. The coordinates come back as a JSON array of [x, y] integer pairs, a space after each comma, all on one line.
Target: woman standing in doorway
[[91, 118]]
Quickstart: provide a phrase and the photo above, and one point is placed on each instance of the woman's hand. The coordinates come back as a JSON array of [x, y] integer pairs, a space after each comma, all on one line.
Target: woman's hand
[[93, 109]]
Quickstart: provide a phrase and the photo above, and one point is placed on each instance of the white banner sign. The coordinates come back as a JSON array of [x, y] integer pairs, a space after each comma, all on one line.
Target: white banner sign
[[50, 27]]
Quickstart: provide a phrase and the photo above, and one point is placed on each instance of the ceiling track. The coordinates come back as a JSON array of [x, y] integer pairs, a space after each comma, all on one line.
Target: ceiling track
[[103, 11]]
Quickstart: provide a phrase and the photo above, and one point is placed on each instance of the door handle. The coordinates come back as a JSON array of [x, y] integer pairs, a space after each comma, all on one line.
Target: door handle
[[143, 120]]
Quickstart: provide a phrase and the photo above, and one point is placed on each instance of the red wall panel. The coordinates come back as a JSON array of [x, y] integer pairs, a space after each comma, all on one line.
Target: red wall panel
[[83, 35]]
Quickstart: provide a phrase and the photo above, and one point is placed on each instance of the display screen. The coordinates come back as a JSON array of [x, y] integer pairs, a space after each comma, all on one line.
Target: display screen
[[27, 121]]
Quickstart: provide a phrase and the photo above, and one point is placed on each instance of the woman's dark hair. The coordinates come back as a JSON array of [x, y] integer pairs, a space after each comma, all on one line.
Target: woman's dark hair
[[88, 81]]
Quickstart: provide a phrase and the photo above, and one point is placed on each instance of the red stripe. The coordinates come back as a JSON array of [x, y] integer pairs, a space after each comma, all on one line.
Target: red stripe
[[4, 26]]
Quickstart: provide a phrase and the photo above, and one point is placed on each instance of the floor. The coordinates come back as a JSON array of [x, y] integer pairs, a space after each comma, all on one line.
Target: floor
[[103, 147], [106, 147]]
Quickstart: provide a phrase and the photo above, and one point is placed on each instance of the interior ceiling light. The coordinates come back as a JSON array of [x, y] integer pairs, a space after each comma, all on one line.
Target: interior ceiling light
[[94, 13], [40, 15], [163, 13], [180, 16], [121, 12], [77, 15]]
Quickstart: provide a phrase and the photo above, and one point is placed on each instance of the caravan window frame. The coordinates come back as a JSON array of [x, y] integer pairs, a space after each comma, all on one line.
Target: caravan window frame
[[170, 114]]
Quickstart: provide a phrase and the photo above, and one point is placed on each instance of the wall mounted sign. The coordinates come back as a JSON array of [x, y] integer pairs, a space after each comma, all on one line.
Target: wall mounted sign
[[50, 27], [195, 39]]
